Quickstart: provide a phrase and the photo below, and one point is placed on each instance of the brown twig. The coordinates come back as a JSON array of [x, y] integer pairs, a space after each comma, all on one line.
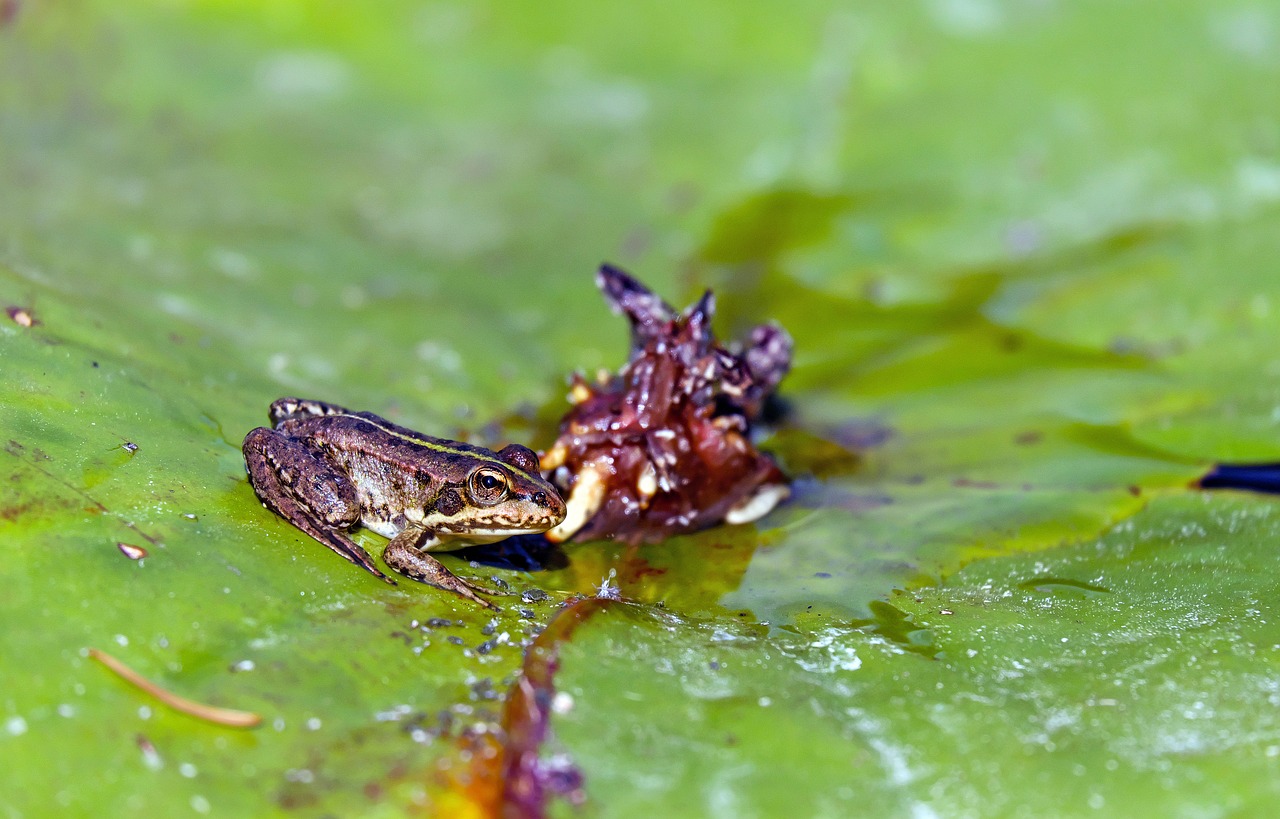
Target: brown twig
[[209, 713]]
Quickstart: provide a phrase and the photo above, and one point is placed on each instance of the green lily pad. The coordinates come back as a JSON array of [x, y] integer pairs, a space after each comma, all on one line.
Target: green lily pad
[[1026, 250]]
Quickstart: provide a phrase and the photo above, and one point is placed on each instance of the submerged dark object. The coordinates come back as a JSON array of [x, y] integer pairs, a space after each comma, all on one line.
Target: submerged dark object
[[1252, 477], [664, 446]]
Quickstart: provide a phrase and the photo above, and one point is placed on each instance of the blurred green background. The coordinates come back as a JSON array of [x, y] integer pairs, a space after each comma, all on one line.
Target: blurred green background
[[1028, 250]]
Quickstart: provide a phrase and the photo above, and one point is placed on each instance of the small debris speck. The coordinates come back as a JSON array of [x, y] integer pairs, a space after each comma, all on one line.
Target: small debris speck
[[483, 689], [22, 316], [607, 590], [150, 756], [394, 714], [130, 551]]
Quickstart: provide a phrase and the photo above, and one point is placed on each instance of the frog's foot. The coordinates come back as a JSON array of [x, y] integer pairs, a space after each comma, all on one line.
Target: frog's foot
[[403, 555]]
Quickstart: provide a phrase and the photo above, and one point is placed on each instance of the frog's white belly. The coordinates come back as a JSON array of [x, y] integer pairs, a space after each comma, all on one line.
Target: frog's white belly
[[384, 527]]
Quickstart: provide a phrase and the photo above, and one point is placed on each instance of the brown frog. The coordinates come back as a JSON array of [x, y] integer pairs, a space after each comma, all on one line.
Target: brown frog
[[326, 469]]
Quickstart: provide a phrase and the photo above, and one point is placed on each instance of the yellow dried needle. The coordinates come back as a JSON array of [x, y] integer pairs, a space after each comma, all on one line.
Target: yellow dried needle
[[209, 713]]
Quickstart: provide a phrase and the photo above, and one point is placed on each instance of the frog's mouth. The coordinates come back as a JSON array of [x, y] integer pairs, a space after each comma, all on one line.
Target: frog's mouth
[[481, 535]]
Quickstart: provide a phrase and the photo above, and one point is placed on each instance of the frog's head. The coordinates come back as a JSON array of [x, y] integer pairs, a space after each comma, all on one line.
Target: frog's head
[[503, 494]]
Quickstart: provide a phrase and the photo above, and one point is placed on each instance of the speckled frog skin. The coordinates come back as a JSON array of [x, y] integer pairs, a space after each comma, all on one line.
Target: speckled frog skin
[[326, 470]]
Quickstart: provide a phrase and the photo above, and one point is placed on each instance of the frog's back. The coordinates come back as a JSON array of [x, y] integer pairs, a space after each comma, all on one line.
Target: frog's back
[[367, 443], [404, 434]]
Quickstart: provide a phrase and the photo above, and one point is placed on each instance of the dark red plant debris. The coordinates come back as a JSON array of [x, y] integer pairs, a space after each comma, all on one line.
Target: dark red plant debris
[[970, 483], [8, 12], [664, 447]]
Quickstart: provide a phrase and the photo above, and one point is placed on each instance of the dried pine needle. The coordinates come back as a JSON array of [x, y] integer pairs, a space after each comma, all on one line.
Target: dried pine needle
[[209, 713]]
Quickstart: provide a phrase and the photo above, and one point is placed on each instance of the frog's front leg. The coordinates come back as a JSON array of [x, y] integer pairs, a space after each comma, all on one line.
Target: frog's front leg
[[292, 482], [405, 555]]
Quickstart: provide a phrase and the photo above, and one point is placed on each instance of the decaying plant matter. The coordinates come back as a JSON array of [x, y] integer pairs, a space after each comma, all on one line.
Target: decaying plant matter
[[664, 446]]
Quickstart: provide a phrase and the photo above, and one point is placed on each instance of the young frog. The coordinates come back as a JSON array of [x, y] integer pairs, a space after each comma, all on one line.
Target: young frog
[[326, 469]]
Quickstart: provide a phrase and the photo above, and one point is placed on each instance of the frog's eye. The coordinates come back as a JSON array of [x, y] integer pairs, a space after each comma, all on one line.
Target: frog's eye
[[488, 486]]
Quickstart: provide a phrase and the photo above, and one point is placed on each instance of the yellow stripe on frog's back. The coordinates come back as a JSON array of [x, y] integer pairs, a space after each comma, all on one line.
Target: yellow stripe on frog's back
[[479, 453]]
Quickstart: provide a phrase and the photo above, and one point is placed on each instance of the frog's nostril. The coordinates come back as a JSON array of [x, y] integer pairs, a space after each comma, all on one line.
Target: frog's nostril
[[540, 498]]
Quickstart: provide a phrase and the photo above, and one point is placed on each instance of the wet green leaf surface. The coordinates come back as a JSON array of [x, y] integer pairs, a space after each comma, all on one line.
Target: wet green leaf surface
[[1131, 674], [1028, 253]]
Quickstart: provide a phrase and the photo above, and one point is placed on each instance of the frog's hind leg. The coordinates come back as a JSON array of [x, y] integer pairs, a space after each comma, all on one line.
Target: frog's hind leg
[[293, 483], [287, 409], [340, 543], [404, 555]]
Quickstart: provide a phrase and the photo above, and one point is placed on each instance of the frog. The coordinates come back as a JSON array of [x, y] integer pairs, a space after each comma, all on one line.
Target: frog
[[328, 470]]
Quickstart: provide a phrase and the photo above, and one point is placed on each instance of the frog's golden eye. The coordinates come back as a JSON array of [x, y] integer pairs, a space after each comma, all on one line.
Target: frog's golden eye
[[488, 486]]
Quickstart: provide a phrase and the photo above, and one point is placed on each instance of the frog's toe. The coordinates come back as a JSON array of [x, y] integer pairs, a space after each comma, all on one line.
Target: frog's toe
[[468, 590], [447, 580]]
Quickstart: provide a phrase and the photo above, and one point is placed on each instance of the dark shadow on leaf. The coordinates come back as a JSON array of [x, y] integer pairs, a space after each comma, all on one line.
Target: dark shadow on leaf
[[525, 553], [895, 625]]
